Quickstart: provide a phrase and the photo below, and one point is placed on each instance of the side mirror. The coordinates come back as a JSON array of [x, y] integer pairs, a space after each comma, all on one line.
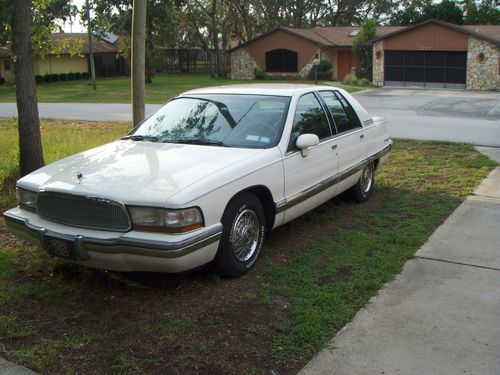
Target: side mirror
[[305, 142]]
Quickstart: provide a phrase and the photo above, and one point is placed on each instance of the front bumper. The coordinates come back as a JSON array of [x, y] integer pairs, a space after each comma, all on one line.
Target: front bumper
[[131, 251]]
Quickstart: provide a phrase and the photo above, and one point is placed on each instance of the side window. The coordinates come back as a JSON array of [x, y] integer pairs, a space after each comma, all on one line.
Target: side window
[[343, 114], [353, 117], [309, 118]]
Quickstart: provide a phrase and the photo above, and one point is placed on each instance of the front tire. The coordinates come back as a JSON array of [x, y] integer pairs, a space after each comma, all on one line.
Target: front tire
[[362, 191], [243, 231]]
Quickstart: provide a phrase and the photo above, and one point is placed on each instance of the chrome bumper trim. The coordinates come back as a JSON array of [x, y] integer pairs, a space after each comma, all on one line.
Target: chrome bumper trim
[[300, 197], [160, 249]]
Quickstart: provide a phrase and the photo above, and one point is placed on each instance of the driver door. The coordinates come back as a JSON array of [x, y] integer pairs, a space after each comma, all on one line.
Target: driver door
[[306, 177]]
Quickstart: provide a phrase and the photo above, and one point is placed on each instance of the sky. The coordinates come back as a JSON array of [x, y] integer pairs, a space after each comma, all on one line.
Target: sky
[[75, 26]]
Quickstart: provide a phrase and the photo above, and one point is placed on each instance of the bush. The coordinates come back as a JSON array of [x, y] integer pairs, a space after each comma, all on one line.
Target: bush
[[364, 82], [71, 76], [324, 66], [85, 75], [63, 77], [78, 76], [55, 77], [350, 80], [47, 78], [258, 74], [38, 78]]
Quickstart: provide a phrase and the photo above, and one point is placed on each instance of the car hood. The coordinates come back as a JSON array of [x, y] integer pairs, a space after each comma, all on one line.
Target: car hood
[[135, 172]]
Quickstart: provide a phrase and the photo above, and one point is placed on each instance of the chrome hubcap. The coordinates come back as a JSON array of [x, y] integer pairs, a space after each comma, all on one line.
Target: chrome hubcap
[[244, 236], [367, 179]]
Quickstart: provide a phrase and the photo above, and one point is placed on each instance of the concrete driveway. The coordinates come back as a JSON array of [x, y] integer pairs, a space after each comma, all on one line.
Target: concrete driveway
[[443, 115]]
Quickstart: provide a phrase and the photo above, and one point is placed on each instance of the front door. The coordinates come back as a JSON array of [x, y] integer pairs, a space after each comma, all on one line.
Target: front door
[[306, 176]]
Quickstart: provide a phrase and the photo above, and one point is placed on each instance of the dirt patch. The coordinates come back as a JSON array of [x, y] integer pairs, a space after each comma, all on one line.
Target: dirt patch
[[342, 274]]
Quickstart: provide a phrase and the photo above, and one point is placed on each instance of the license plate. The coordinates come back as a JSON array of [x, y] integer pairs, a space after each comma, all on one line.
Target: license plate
[[60, 248]]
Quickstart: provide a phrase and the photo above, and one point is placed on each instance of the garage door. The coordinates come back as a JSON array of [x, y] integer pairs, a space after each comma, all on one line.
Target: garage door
[[425, 69]]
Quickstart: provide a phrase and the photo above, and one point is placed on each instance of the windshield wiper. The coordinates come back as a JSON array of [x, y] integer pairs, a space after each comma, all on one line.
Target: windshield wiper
[[140, 138], [197, 141]]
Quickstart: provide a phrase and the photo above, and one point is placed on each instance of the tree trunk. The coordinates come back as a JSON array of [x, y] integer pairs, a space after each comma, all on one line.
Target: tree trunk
[[91, 48], [30, 142], [215, 37], [149, 57], [138, 57]]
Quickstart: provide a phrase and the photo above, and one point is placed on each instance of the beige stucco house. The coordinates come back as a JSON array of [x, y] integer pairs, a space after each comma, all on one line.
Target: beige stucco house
[[105, 56]]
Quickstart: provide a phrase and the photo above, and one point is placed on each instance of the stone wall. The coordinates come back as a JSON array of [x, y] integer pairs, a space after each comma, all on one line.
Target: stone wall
[[482, 65], [242, 64], [378, 63], [307, 68]]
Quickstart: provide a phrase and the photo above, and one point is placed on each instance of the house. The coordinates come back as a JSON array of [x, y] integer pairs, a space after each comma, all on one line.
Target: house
[[287, 50], [439, 54], [107, 62]]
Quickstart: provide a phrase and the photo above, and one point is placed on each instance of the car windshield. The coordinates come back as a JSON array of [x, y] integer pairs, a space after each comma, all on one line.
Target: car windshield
[[254, 121]]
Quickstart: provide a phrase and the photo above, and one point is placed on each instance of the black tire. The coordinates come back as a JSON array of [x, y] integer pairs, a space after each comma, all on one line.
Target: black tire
[[232, 260], [362, 191]]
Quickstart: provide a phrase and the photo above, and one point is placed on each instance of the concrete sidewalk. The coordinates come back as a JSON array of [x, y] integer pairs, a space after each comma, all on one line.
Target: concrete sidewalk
[[9, 368], [442, 313]]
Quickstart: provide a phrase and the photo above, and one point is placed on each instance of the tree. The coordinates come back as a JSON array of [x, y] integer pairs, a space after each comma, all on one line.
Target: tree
[[362, 48], [91, 45], [485, 12], [30, 143], [138, 57], [414, 11]]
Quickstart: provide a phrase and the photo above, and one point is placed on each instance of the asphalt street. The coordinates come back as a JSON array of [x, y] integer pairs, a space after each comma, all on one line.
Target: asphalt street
[[444, 115]]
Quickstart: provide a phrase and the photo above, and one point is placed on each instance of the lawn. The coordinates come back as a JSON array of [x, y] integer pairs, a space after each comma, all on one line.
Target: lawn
[[315, 273], [117, 90]]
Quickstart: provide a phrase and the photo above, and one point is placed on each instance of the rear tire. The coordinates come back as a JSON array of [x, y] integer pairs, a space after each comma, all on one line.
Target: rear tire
[[243, 231], [362, 191]]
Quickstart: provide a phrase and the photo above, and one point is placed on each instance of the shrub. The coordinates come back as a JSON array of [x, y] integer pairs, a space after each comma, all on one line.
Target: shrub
[[38, 78], [324, 66], [78, 75], [71, 76], [55, 77], [258, 74], [364, 82], [63, 77], [47, 78], [350, 80], [85, 75]]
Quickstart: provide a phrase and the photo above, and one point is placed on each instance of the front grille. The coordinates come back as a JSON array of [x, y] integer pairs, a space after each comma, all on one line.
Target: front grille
[[83, 212]]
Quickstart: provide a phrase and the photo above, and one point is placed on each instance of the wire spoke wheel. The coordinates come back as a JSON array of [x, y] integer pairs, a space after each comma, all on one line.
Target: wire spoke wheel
[[366, 179], [244, 235]]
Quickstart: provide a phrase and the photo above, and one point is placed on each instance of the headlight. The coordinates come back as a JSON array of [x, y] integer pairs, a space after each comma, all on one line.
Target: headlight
[[26, 199], [166, 220]]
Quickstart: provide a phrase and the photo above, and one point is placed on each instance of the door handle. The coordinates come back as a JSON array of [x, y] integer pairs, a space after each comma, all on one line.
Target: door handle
[[334, 147], [361, 136]]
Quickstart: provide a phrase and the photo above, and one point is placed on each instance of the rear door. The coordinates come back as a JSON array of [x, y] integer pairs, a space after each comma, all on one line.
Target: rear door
[[350, 138]]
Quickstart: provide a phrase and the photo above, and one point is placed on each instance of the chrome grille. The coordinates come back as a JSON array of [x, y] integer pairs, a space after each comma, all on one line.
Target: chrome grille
[[78, 211]]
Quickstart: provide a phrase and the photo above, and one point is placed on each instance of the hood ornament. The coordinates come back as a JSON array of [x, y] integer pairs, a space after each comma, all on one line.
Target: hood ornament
[[79, 176]]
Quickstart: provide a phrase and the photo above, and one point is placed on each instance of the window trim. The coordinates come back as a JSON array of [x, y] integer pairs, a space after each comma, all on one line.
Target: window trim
[[293, 149]]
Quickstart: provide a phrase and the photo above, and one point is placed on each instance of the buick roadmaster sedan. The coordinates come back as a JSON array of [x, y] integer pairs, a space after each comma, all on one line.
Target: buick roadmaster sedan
[[203, 179]]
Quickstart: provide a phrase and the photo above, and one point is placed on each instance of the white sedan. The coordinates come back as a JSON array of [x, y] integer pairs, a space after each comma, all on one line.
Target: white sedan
[[203, 179]]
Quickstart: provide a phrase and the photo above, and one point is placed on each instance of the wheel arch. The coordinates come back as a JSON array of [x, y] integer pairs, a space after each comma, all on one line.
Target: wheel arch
[[265, 197]]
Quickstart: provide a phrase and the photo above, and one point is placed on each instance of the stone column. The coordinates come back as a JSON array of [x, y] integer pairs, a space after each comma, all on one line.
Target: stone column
[[378, 63], [482, 65]]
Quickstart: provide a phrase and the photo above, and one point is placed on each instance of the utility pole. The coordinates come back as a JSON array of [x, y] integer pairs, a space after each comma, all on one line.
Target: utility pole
[[138, 60], [91, 47]]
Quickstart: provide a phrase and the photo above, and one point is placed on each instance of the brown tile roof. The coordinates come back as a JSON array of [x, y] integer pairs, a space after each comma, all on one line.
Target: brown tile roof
[[487, 32], [340, 35], [99, 45]]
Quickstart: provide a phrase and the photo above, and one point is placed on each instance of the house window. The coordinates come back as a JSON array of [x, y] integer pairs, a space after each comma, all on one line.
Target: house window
[[6, 65], [282, 60]]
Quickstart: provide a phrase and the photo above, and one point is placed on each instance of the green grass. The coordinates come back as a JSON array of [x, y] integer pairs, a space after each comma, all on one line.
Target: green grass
[[117, 90], [314, 274]]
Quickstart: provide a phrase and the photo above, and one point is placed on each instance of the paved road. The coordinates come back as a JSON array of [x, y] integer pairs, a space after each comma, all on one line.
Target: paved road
[[443, 115], [457, 116], [442, 313]]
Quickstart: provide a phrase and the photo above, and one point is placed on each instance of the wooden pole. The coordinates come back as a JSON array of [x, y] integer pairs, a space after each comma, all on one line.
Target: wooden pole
[[138, 60]]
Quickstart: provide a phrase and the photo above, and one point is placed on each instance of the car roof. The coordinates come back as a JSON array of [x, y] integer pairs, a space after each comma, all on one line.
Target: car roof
[[277, 89]]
